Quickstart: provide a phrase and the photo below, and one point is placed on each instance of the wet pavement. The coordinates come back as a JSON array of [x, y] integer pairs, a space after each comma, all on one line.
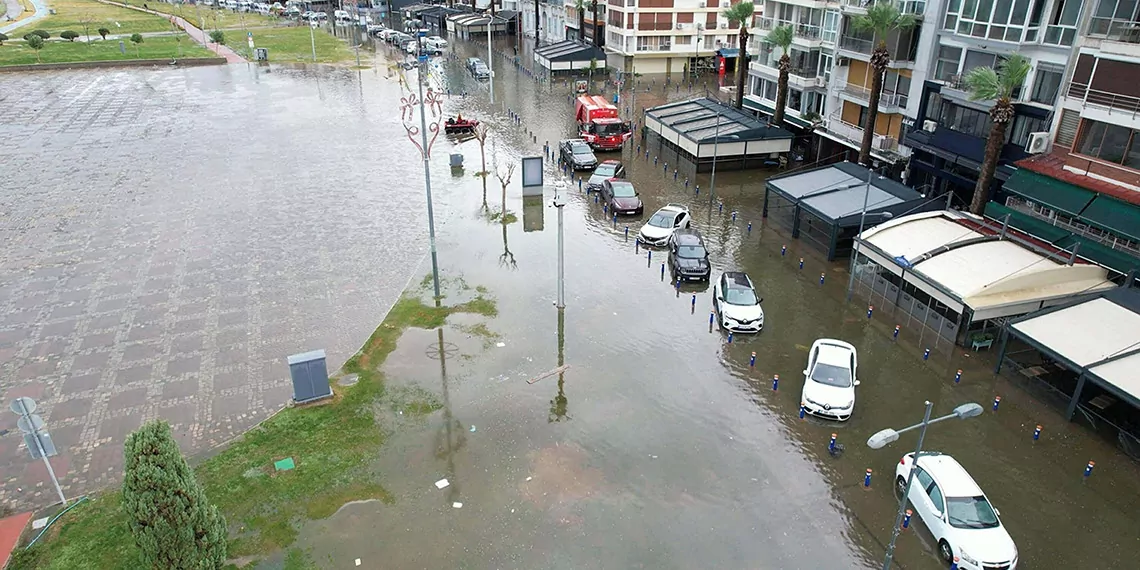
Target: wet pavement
[[659, 446]]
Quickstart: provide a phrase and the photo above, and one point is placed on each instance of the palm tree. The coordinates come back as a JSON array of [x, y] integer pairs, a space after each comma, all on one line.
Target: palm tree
[[580, 7], [594, 33], [536, 24], [741, 14], [998, 85], [782, 36], [881, 19]]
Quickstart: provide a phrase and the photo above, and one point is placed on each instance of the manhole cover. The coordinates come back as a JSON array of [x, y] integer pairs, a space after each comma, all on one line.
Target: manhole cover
[[449, 350]]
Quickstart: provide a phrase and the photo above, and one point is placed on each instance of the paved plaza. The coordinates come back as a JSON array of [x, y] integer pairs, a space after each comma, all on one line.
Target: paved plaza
[[170, 236]]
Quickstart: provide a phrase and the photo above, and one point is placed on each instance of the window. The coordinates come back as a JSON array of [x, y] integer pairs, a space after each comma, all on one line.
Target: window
[[1018, 133], [682, 40], [795, 98], [963, 119], [1001, 20], [978, 59], [830, 25], [947, 66], [1110, 143], [1046, 84], [924, 480], [936, 497], [1062, 26]]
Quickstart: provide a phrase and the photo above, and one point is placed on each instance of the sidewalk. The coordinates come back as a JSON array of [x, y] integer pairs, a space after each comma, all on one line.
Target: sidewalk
[[191, 30], [41, 11]]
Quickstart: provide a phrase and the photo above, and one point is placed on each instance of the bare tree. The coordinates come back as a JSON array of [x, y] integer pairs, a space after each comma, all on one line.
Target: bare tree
[[504, 175], [481, 131], [86, 20]]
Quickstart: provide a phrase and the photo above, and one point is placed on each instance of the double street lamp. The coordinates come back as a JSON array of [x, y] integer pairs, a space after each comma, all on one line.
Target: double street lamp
[[889, 436]]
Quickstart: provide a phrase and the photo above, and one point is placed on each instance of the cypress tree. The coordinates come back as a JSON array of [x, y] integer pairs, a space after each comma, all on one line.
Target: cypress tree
[[174, 525]]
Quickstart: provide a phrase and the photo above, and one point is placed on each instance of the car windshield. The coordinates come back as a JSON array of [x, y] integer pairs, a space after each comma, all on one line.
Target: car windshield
[[623, 190], [971, 512], [661, 220], [580, 148], [608, 130], [691, 251], [740, 296], [831, 375], [606, 170]]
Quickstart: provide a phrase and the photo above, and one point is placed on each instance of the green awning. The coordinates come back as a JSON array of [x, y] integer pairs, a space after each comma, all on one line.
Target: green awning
[[1114, 215], [1112, 258], [1056, 194], [1035, 227], [770, 110]]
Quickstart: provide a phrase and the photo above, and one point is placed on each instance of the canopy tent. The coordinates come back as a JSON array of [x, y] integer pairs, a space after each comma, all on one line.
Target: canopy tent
[[570, 55], [708, 131], [475, 25]]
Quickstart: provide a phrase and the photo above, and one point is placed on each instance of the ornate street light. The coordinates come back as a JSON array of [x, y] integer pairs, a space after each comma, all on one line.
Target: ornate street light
[[431, 103]]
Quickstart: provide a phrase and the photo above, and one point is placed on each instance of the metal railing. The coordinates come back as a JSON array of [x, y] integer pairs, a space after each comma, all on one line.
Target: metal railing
[[856, 44], [803, 31], [912, 7], [1115, 29], [854, 133], [1098, 98], [886, 98]]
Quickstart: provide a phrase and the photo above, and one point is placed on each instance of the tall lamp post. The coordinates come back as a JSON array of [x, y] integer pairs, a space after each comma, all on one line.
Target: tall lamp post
[[888, 436], [716, 149], [490, 59], [434, 104]]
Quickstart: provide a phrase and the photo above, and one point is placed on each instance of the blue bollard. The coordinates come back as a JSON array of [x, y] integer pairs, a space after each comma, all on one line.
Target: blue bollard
[[712, 317], [615, 221], [749, 227], [698, 191], [666, 168], [958, 377], [649, 257], [686, 184], [752, 362], [803, 410], [627, 232], [655, 161], [579, 183], [646, 154], [678, 285], [831, 446], [694, 301], [801, 263], [997, 402], [867, 480], [662, 271], [720, 209], [896, 334], [954, 563], [926, 354], [783, 250], [775, 382], [674, 174], [638, 148], [1037, 433], [906, 519], [1089, 468], [821, 277], [870, 309], [637, 244], [733, 217], [596, 198], [729, 337]]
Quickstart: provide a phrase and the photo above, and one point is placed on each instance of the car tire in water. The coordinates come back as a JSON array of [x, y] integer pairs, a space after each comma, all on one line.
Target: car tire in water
[[900, 486], [945, 551]]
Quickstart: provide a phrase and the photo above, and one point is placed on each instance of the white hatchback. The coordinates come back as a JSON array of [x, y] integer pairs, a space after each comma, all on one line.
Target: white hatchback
[[957, 512], [829, 379], [661, 224]]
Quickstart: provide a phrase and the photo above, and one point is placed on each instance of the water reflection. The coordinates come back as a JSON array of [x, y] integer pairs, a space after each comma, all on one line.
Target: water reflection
[[560, 404], [450, 437], [507, 259]]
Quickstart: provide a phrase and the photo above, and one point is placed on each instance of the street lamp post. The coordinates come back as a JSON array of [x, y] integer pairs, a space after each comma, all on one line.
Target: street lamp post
[[490, 60], [313, 39], [433, 103], [888, 436], [716, 144], [560, 202]]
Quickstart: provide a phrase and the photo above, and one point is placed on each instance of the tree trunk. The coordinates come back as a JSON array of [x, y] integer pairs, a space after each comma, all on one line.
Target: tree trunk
[[581, 22], [989, 164], [741, 66], [483, 159], [597, 41], [879, 61], [782, 90], [537, 19]]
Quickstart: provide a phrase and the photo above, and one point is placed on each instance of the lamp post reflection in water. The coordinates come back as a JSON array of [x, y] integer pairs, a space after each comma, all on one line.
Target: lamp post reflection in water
[[558, 406], [450, 438]]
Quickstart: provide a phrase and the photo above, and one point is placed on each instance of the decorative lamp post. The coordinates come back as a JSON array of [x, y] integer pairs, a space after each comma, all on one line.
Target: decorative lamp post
[[431, 103]]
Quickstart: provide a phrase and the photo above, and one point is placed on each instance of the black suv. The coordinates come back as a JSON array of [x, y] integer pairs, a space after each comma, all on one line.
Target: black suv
[[687, 255], [577, 154]]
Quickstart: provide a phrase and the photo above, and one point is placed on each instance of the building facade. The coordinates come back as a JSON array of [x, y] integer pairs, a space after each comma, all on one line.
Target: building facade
[[668, 36], [552, 20], [592, 26]]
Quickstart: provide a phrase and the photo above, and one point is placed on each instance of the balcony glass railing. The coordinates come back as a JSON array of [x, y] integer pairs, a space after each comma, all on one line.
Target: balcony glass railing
[[804, 31], [912, 7], [896, 48], [856, 44], [1114, 29], [854, 133], [887, 99], [1098, 98]]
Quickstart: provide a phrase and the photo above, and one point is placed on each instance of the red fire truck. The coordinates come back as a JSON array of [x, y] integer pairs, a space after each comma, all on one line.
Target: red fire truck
[[599, 124]]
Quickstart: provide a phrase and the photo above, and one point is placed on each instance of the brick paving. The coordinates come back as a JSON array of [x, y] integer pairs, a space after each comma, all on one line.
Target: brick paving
[[171, 236]]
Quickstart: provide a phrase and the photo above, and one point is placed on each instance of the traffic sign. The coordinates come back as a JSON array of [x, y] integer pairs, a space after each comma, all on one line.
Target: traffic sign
[[23, 406], [45, 442], [30, 424]]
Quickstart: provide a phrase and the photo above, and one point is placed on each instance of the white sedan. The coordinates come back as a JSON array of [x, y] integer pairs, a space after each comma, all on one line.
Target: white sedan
[[829, 380], [661, 224], [957, 513]]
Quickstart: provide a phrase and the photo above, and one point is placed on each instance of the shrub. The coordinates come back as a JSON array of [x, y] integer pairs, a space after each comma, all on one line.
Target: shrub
[[41, 34], [103, 32], [68, 35], [218, 37], [173, 523], [2, 38], [35, 42]]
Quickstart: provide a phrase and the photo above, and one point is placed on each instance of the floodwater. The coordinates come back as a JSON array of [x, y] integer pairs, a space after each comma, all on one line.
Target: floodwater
[[659, 446]]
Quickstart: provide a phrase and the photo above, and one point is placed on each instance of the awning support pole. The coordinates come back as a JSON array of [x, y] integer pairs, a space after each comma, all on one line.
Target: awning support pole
[[1072, 409]]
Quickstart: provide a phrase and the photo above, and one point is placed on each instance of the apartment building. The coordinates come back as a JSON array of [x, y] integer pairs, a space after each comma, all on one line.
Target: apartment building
[[670, 36], [587, 35], [552, 20], [1084, 187]]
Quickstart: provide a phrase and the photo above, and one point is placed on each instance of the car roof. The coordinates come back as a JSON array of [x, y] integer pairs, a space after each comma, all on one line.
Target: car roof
[[674, 208], [568, 141], [835, 352], [619, 182], [952, 478], [616, 162], [687, 236], [737, 280]]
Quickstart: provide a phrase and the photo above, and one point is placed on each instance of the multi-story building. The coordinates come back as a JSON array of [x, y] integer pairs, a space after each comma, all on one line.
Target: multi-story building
[[669, 36], [1084, 187], [949, 133], [829, 83], [552, 20], [572, 31]]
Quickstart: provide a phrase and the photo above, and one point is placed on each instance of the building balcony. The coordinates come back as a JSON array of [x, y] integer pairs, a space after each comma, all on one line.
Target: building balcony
[[888, 102], [1103, 99], [1113, 29], [913, 7], [901, 54], [799, 78], [806, 33], [837, 126]]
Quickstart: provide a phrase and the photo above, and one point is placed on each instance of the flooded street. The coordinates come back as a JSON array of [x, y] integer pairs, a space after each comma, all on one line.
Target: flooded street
[[659, 446]]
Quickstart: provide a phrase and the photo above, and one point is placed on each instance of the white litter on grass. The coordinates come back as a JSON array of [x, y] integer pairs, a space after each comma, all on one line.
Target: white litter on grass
[[500, 344], [529, 478], [442, 483], [358, 562], [457, 505], [653, 457], [39, 523]]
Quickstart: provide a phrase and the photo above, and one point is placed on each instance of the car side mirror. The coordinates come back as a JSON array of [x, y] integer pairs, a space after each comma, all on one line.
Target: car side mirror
[[997, 512], [760, 300], [805, 372], [856, 382]]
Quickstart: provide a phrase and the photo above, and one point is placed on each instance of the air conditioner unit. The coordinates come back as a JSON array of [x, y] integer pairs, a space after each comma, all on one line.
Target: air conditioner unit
[[1038, 143], [724, 25], [725, 4], [929, 126], [700, 26], [680, 26], [702, 5]]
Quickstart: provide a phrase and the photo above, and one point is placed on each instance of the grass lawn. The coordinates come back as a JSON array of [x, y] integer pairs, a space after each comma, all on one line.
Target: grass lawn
[[214, 18], [331, 445], [163, 47], [292, 44], [69, 14]]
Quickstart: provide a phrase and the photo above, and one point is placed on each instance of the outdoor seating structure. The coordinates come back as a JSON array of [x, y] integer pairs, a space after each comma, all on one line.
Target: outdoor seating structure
[[1085, 355], [571, 56], [960, 275], [705, 131]]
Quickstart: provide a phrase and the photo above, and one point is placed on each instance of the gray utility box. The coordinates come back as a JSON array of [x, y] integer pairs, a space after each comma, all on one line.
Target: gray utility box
[[262, 54], [310, 376], [457, 160]]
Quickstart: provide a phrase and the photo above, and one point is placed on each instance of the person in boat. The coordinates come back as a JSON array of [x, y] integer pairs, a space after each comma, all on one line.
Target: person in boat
[[451, 121], [459, 118]]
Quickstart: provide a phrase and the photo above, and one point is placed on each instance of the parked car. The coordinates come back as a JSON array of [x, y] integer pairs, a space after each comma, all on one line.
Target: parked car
[[442, 43], [432, 47], [662, 224], [412, 47], [830, 379], [621, 197], [292, 12], [374, 29], [736, 303], [471, 62], [577, 154], [957, 512], [688, 257], [481, 71], [607, 169]]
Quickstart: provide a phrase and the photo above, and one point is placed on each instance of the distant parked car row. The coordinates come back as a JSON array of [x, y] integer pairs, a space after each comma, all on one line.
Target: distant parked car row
[[478, 69]]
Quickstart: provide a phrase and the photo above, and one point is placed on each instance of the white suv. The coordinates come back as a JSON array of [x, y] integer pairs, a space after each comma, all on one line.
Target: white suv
[[661, 224], [957, 513]]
